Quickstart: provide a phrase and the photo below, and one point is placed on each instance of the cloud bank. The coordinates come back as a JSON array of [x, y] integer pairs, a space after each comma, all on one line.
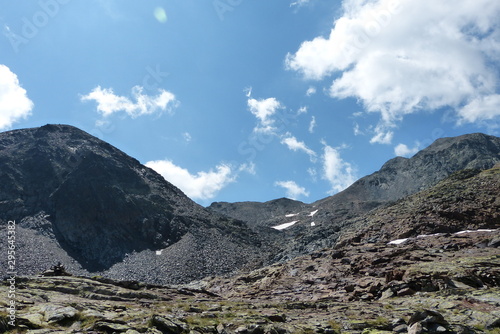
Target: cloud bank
[[14, 102], [400, 56]]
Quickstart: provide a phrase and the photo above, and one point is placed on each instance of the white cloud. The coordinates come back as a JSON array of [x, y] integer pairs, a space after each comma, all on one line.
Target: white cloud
[[14, 102], [357, 130], [293, 190], [403, 150], [382, 135], [264, 110], [248, 91], [248, 168], [202, 185], [187, 137], [299, 3], [293, 144], [312, 125], [481, 109], [311, 91], [312, 172], [108, 103], [339, 173], [398, 57], [302, 110]]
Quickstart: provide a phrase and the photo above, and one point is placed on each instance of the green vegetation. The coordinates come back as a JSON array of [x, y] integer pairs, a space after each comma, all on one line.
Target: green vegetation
[[335, 326]]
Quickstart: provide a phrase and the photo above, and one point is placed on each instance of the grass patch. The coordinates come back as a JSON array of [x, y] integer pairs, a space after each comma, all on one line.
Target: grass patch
[[335, 326]]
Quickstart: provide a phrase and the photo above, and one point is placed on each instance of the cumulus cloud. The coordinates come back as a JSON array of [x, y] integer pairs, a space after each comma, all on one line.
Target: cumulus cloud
[[339, 173], [109, 103], [14, 102], [264, 109], [398, 57], [293, 144], [293, 190], [200, 186], [403, 150]]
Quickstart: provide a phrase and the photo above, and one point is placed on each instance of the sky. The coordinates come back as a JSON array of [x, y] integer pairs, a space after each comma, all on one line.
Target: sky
[[253, 100]]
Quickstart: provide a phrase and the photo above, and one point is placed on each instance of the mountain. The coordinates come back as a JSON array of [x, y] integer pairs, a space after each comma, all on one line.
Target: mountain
[[317, 225], [79, 200], [444, 238], [438, 279], [466, 200]]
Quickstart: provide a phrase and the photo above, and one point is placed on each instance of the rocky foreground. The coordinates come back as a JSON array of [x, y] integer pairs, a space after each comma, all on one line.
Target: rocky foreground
[[448, 283]]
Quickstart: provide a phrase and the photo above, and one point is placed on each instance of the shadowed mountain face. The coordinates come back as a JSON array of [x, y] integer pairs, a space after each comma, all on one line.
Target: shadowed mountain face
[[102, 207], [317, 225]]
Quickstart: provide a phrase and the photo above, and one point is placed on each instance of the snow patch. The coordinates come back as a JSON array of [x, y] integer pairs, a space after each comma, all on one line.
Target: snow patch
[[313, 213], [400, 241], [397, 241], [284, 226], [291, 215], [480, 230], [313, 224], [430, 235], [158, 252]]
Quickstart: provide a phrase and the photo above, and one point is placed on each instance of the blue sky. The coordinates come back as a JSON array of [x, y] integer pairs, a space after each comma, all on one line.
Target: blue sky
[[239, 100]]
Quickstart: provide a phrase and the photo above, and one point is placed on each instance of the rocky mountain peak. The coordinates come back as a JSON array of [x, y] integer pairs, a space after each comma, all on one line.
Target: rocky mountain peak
[[100, 205]]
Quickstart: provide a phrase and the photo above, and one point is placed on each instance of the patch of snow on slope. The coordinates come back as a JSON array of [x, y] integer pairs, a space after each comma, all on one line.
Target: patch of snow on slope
[[397, 242], [313, 213], [469, 231], [400, 241], [284, 226], [291, 215]]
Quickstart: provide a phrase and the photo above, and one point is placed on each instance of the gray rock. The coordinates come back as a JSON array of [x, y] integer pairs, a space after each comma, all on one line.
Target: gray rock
[[400, 328], [416, 328], [55, 313], [169, 325]]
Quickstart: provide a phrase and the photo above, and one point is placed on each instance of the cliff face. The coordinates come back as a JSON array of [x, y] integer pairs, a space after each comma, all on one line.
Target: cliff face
[[100, 206]]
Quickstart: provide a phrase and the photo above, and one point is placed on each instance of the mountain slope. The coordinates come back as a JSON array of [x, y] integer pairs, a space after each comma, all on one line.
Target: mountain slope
[[453, 241], [466, 200], [258, 214], [99, 206], [318, 224]]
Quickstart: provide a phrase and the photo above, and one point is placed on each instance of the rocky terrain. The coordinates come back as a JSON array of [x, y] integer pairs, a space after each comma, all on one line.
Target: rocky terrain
[[78, 200], [398, 178], [392, 253], [437, 284]]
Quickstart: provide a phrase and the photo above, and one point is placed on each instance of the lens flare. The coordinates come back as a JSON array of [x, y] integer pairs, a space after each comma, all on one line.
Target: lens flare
[[160, 14]]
